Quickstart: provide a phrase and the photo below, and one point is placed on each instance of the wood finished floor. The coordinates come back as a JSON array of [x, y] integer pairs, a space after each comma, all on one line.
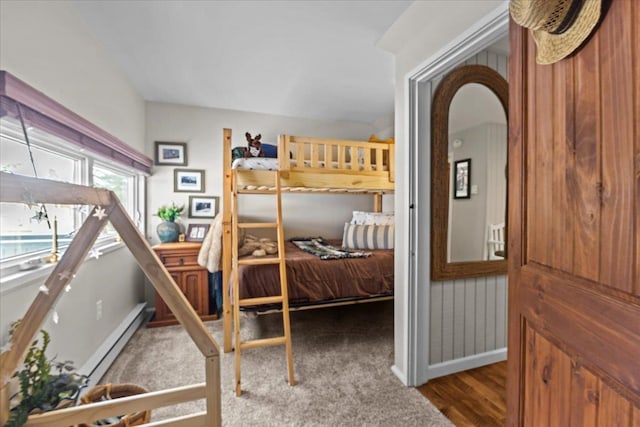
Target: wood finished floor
[[471, 398]]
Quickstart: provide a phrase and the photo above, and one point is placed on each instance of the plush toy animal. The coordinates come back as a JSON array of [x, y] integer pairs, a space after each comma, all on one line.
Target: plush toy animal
[[254, 146], [257, 247]]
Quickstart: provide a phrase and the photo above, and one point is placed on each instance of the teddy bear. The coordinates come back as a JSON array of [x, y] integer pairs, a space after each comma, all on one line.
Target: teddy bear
[[252, 245], [254, 146]]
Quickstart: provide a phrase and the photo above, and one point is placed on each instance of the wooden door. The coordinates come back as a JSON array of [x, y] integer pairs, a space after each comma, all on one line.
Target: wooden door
[[574, 218]]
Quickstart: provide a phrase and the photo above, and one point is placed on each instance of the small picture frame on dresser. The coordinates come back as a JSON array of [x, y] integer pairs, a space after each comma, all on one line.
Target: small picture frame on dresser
[[196, 232]]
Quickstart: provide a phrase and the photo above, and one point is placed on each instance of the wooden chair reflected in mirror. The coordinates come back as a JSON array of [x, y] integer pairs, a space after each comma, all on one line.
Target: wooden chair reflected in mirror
[[496, 243]]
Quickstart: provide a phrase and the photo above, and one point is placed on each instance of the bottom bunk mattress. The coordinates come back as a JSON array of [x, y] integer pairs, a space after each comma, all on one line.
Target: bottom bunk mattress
[[312, 280]]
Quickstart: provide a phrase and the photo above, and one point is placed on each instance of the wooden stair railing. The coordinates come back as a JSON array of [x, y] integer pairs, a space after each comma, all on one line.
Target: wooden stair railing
[[21, 189]]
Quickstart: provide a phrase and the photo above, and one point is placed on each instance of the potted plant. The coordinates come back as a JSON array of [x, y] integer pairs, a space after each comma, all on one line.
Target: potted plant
[[40, 389], [168, 230]]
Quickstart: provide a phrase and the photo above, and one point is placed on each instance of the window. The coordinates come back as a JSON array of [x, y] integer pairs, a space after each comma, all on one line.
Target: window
[[25, 232], [121, 183]]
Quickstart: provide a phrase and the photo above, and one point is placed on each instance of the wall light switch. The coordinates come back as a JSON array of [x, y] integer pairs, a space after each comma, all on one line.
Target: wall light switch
[[474, 189]]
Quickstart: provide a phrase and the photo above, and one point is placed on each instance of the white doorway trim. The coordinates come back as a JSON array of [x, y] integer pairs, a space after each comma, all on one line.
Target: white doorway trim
[[485, 32]]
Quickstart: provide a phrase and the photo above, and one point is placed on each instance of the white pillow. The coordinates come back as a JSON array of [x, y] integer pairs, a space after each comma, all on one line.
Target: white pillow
[[372, 218], [357, 236]]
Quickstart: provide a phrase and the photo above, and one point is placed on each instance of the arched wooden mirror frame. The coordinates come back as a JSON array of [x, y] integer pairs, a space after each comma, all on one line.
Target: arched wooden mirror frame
[[441, 268]]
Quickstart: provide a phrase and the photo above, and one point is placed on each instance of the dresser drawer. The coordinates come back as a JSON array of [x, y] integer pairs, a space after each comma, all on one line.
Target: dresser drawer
[[179, 260]]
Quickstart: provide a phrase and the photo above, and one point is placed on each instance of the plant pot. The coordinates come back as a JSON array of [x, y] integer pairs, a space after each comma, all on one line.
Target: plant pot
[[102, 393], [168, 231]]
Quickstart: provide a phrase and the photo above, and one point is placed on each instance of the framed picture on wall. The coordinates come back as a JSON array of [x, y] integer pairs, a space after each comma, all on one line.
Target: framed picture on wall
[[203, 206], [462, 179], [196, 232], [188, 180], [170, 153]]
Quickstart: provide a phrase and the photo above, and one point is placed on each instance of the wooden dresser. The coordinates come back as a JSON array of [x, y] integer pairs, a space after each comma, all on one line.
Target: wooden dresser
[[181, 260]]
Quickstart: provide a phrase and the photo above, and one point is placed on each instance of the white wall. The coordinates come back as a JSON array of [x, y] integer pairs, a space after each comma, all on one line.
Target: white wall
[[45, 44], [201, 129], [78, 333], [423, 30]]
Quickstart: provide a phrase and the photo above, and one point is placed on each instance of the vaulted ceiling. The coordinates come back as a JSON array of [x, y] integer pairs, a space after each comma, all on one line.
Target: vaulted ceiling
[[314, 59]]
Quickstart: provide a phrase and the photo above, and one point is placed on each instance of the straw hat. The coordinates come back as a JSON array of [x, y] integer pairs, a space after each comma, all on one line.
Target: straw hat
[[558, 26]]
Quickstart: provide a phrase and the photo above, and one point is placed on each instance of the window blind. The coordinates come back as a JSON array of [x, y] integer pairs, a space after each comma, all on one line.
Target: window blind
[[17, 98]]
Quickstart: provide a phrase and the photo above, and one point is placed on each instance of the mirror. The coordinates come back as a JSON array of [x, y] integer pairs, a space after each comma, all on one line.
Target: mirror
[[469, 146]]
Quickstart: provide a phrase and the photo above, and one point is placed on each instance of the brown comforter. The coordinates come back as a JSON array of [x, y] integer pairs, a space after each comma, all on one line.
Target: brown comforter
[[311, 279]]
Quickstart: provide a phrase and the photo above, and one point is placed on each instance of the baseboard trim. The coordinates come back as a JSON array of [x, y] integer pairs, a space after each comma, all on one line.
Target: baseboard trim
[[465, 363], [101, 360], [398, 373]]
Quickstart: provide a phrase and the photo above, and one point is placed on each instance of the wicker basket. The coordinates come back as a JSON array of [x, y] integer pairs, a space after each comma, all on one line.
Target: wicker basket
[[100, 393]]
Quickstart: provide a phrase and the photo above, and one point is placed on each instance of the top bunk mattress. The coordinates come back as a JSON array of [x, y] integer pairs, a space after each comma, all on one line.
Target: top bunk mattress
[[268, 163]]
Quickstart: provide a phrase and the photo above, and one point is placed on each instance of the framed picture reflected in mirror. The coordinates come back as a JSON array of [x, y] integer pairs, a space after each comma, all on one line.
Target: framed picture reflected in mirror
[[462, 179]]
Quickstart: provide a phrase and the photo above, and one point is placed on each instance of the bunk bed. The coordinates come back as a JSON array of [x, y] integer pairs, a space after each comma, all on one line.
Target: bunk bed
[[310, 165]]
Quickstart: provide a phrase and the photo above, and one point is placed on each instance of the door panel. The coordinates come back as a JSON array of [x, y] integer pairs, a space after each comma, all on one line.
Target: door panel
[[192, 286], [574, 265], [617, 90], [588, 158], [560, 383]]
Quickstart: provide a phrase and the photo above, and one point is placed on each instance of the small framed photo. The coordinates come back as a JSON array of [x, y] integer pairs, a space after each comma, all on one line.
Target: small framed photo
[[196, 232], [203, 206], [188, 180], [462, 179], [170, 153]]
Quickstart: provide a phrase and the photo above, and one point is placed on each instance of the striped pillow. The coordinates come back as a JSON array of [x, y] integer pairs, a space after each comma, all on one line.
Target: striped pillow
[[357, 236]]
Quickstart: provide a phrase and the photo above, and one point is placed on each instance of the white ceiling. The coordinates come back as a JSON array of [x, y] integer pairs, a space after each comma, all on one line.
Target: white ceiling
[[313, 59]]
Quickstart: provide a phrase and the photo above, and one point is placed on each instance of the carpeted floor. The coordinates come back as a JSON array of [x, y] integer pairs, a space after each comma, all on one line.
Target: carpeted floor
[[342, 358]]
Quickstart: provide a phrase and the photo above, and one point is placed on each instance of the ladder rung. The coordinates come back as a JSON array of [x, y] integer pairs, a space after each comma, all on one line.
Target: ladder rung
[[257, 224], [259, 261], [257, 191], [265, 342], [260, 301]]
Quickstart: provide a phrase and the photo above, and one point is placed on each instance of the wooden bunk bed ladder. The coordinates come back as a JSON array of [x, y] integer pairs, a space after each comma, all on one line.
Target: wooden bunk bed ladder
[[283, 298]]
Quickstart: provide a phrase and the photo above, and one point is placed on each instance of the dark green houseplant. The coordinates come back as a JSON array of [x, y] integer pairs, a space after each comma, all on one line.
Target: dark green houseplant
[[42, 390]]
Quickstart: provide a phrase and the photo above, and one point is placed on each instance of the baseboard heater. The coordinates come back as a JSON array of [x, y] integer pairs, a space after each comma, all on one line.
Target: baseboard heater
[[97, 365]]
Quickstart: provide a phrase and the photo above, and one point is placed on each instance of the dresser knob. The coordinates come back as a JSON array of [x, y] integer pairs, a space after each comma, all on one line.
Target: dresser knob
[[181, 261]]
